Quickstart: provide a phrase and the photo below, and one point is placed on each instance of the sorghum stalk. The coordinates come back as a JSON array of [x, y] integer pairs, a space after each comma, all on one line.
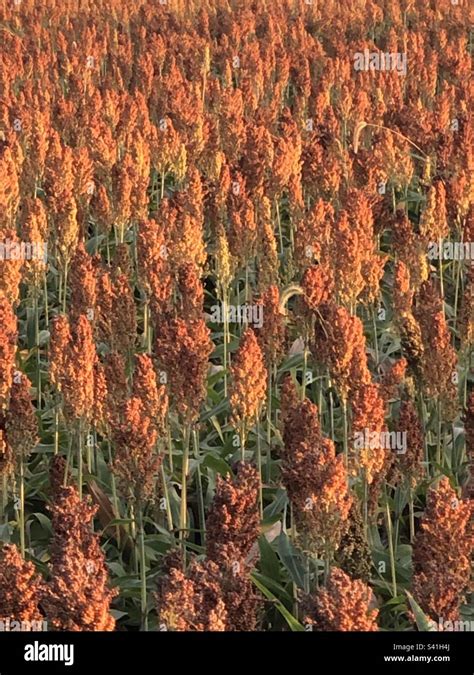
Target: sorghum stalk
[[305, 364], [259, 466], [243, 438], [22, 507], [45, 296], [169, 515], [366, 500], [458, 273], [79, 460], [37, 347], [114, 493], [89, 446], [67, 463], [64, 281], [441, 278], [184, 487], [143, 592], [170, 442], [345, 432], [146, 339], [411, 514], [331, 409], [320, 401], [376, 342], [280, 232], [202, 513], [56, 428], [293, 585], [226, 337], [133, 533], [390, 547], [440, 431], [269, 427], [4, 500]]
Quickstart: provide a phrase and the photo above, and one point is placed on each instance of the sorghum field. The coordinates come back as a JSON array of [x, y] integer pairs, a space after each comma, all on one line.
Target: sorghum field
[[236, 315]]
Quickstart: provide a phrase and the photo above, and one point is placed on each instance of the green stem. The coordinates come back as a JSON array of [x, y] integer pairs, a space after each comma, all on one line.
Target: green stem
[[143, 591], [345, 433], [89, 449], [226, 337], [390, 547], [458, 273], [56, 428], [37, 348], [202, 513], [441, 278], [280, 232], [4, 501], [305, 365], [366, 501], [45, 297], [115, 499], [242, 440], [294, 587], [133, 529], [268, 472], [440, 432], [169, 515], [79, 461], [259, 467], [412, 514], [331, 409], [170, 445], [146, 344], [376, 342], [184, 487], [64, 280], [68, 459], [22, 508], [327, 564]]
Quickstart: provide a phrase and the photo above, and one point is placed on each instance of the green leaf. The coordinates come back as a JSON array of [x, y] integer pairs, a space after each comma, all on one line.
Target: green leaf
[[216, 464], [93, 243], [269, 563], [117, 569], [280, 592], [117, 614], [395, 601], [5, 532], [291, 559], [217, 427], [277, 506], [216, 410], [423, 621], [43, 520], [289, 618]]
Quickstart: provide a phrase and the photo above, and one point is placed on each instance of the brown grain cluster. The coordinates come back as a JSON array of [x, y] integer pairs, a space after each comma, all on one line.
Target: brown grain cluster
[[77, 596], [442, 553], [21, 587], [343, 605], [315, 477], [249, 380], [218, 594]]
